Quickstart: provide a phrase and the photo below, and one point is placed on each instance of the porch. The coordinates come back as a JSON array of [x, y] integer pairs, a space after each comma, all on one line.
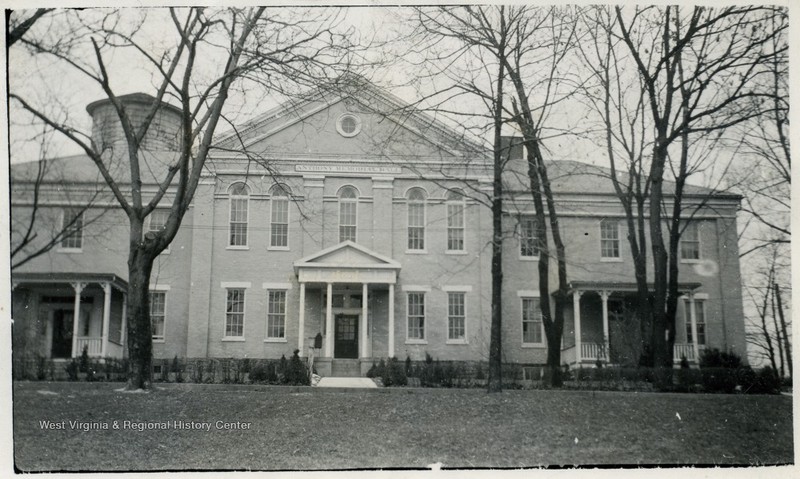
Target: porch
[[603, 326], [59, 315], [342, 289]]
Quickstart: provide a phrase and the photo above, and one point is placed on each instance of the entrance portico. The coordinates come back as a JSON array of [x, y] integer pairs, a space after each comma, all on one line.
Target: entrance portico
[[348, 275]]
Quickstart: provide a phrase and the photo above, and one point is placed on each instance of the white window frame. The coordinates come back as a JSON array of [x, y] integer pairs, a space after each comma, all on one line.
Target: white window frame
[[160, 289], [615, 241], [341, 203], [150, 228], [416, 203], [284, 314], [409, 339], [700, 309], [523, 238], [246, 221], [450, 316], [461, 203], [229, 286], [284, 198], [692, 226], [65, 237], [538, 310]]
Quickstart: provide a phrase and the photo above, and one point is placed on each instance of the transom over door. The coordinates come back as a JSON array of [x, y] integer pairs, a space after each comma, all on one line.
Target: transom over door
[[346, 336]]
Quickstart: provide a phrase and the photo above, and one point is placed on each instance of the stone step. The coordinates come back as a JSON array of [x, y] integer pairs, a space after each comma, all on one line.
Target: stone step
[[345, 368]]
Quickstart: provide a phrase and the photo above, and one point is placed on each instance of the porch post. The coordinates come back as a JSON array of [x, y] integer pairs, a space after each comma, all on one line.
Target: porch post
[[576, 311], [329, 323], [693, 314], [76, 314], [391, 320], [604, 296], [106, 319], [364, 312], [301, 318]]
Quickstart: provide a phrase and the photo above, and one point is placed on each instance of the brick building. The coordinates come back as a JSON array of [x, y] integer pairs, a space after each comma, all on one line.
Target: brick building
[[368, 228]]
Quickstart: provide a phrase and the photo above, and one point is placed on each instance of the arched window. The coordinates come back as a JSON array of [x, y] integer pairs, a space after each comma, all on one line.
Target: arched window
[[416, 219], [240, 197], [455, 220], [348, 213], [279, 217]]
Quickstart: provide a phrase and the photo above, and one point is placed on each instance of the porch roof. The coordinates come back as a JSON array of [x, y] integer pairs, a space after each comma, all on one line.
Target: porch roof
[[66, 277], [347, 262], [623, 286]]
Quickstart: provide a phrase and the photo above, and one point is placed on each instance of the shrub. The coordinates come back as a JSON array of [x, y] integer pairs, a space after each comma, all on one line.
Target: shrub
[[408, 365], [479, 374], [259, 374], [371, 370], [72, 369], [765, 381], [41, 367], [394, 374], [83, 366], [714, 358], [197, 372], [296, 372], [716, 379]]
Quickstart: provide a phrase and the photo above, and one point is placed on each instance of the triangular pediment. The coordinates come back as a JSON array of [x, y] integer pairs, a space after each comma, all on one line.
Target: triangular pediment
[[347, 255], [388, 128]]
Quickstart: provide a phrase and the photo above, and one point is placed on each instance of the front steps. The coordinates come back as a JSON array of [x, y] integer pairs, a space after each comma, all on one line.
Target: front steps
[[345, 368]]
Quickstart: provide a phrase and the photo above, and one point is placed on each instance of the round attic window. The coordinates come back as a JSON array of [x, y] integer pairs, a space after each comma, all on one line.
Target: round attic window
[[348, 125]]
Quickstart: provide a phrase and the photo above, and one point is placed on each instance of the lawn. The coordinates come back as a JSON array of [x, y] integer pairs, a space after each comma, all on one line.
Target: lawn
[[301, 428]]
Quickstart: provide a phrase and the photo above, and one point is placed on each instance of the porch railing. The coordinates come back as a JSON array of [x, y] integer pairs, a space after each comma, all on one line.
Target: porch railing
[[593, 351], [683, 349], [94, 345]]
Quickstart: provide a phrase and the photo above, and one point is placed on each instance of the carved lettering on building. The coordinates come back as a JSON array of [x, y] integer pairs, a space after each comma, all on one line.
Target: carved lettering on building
[[349, 169]]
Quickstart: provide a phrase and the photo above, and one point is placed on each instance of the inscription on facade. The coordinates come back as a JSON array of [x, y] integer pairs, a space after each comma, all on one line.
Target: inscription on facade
[[348, 169]]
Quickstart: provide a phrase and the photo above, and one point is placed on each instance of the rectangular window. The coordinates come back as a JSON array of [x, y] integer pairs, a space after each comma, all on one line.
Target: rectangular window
[[456, 317], [158, 220], [455, 227], [532, 326], [234, 313], [347, 220], [276, 314], [690, 242], [700, 310], [279, 223], [528, 241], [158, 310], [72, 226], [238, 226], [416, 226], [609, 239], [416, 316]]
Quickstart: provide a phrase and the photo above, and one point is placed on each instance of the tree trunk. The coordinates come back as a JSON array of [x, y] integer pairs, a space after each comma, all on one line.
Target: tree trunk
[[659, 340], [782, 372], [139, 332], [495, 382], [786, 343]]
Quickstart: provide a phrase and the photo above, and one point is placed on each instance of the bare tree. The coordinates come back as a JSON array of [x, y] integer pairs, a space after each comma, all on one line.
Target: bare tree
[[505, 56], [197, 65], [698, 70]]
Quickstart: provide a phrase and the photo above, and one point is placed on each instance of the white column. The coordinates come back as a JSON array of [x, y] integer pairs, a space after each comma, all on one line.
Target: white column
[[329, 323], [391, 320], [301, 319], [106, 319], [76, 315], [604, 297], [576, 306], [364, 312], [693, 314], [124, 333]]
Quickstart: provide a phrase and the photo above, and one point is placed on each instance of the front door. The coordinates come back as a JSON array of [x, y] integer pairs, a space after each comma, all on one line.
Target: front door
[[346, 336], [62, 334]]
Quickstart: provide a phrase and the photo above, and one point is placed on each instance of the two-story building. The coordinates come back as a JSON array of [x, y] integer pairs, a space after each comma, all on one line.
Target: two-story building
[[350, 218]]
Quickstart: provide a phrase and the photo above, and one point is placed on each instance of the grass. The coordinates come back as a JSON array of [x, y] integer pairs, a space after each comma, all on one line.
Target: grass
[[304, 428]]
